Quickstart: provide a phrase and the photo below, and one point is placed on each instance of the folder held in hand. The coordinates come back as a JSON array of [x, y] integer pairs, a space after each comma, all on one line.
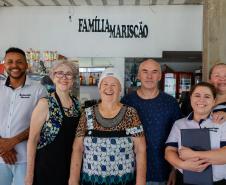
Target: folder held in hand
[[199, 140]]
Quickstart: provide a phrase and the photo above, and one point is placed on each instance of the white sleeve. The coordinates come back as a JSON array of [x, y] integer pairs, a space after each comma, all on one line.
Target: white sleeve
[[174, 136], [42, 92], [223, 134]]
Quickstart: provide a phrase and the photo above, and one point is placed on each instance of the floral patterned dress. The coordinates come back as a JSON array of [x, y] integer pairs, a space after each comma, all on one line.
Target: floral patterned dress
[[109, 157]]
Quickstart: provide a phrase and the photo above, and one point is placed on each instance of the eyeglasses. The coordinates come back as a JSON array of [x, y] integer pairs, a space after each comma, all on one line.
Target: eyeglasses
[[61, 74]]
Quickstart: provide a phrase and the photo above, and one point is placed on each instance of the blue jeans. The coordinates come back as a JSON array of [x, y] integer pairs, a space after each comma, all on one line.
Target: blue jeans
[[12, 174]]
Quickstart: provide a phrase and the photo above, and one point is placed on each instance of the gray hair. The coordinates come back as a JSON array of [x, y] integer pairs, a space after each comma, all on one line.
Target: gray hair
[[67, 63], [149, 60]]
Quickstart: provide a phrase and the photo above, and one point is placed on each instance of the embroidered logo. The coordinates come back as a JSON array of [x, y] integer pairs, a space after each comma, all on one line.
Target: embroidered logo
[[25, 95]]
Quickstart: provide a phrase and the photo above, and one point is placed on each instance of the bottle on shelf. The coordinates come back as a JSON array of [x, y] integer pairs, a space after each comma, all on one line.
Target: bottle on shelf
[[94, 79], [90, 79], [30, 60], [81, 79], [47, 60], [37, 61], [28, 55], [55, 56]]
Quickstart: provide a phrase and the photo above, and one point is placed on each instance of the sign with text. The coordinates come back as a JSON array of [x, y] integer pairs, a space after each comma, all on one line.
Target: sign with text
[[103, 31], [115, 30]]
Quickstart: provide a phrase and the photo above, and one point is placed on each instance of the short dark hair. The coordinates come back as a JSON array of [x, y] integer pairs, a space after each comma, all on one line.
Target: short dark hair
[[204, 84], [15, 50], [215, 65]]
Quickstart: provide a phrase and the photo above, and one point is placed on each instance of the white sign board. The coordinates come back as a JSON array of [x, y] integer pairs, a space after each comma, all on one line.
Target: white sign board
[[153, 29]]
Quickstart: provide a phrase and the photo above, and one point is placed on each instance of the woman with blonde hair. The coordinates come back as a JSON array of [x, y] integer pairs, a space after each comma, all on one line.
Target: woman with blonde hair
[[217, 77]]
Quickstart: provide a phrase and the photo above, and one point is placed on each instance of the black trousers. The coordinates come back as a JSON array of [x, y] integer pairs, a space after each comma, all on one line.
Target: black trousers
[[179, 180]]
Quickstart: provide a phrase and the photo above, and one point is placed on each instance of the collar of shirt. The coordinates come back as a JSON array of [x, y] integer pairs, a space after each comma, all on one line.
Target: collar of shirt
[[27, 82], [220, 107], [191, 118]]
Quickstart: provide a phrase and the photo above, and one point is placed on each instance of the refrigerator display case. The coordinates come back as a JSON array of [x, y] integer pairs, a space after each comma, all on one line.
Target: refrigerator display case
[[176, 83], [170, 84], [198, 76]]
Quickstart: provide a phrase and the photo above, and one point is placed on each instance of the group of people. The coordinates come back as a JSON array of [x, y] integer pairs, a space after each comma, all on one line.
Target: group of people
[[135, 140]]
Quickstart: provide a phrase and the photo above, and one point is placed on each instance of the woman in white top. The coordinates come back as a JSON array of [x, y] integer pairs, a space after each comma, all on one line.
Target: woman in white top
[[202, 97], [217, 77]]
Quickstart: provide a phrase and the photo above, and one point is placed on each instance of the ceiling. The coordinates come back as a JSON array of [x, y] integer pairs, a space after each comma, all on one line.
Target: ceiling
[[8, 3]]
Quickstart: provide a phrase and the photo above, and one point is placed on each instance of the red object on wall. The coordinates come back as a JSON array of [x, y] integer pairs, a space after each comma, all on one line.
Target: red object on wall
[[1, 69]]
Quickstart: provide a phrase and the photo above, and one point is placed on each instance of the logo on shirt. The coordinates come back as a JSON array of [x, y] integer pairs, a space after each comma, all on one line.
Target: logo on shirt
[[25, 95]]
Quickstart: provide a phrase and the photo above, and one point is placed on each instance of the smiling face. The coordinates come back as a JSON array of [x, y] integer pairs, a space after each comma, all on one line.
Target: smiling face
[[149, 74], [218, 78], [110, 89], [63, 78], [15, 65], [202, 101]]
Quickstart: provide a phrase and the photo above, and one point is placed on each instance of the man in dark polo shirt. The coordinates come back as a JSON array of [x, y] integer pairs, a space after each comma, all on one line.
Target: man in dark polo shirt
[[18, 97], [157, 111]]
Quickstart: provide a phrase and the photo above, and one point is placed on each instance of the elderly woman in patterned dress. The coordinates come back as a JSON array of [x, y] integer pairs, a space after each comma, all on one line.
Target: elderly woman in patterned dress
[[109, 148]]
